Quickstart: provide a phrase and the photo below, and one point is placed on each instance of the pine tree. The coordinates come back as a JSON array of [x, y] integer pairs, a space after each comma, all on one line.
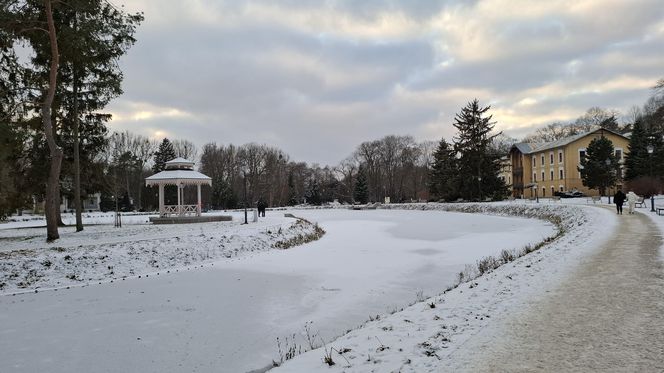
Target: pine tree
[[443, 174], [165, 153], [479, 166], [598, 168], [361, 191]]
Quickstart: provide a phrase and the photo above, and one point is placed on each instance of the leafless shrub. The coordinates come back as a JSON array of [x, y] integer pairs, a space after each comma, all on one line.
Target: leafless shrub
[[506, 256]]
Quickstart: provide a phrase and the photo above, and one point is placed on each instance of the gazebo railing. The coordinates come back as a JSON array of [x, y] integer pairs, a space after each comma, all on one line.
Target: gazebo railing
[[181, 210]]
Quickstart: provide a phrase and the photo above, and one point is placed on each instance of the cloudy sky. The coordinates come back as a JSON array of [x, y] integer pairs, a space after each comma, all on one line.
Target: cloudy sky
[[316, 78]]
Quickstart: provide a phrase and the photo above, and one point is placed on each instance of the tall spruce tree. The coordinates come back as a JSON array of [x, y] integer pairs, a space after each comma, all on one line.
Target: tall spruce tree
[[637, 160], [361, 191], [165, 153], [443, 175], [93, 35], [598, 167], [478, 165]]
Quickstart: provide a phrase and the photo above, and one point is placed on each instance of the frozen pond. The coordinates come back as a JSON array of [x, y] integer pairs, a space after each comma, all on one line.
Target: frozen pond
[[226, 318]]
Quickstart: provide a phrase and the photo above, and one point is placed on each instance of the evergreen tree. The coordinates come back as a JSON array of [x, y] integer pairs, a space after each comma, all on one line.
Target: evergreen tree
[[443, 174], [165, 153], [478, 165], [313, 192], [637, 157], [598, 167], [361, 191], [292, 193], [223, 196], [78, 60]]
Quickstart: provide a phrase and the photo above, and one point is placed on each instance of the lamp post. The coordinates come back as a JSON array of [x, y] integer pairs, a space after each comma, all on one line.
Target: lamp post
[[608, 164], [244, 173], [650, 150]]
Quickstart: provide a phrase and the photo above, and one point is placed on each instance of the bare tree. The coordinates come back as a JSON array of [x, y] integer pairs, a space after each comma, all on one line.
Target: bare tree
[[593, 118], [186, 149]]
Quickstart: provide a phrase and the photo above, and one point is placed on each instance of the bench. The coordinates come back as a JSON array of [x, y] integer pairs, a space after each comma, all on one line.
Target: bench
[[659, 210], [640, 202], [555, 198]]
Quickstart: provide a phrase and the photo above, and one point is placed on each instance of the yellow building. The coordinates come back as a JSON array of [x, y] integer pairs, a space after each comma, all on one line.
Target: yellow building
[[553, 167]]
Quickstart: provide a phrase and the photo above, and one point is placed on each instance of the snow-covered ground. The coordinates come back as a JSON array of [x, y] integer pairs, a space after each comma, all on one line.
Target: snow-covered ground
[[226, 316], [103, 253], [436, 335]]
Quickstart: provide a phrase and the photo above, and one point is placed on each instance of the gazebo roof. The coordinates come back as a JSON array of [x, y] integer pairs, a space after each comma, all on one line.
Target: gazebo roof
[[179, 171], [176, 177]]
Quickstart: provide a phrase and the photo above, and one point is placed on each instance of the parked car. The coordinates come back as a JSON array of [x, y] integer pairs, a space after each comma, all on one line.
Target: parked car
[[569, 194]]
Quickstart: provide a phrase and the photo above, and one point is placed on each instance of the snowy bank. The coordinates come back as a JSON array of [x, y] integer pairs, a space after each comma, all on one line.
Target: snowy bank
[[106, 254], [429, 336]]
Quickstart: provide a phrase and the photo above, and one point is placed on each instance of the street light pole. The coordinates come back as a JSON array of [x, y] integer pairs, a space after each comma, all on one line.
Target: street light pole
[[650, 150], [608, 164], [244, 173]]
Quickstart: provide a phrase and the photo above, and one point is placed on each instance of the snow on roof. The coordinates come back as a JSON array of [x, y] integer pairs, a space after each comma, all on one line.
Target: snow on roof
[[179, 160], [175, 177]]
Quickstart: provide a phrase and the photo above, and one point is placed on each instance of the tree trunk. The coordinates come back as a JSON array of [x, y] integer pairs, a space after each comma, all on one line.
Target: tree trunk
[[77, 157], [52, 186]]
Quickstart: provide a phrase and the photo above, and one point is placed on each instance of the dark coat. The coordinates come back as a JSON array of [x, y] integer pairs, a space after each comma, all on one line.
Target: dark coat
[[619, 198]]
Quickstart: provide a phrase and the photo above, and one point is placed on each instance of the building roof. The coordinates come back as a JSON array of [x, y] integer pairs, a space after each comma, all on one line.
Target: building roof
[[526, 148]]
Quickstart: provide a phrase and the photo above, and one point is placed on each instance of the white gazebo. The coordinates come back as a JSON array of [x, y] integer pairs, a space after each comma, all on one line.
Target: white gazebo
[[179, 172]]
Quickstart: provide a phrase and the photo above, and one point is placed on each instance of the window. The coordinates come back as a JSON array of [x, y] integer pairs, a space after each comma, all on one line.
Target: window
[[543, 192], [534, 161], [560, 157], [543, 176], [553, 191], [542, 159], [561, 174], [551, 174], [534, 177], [619, 154], [551, 157], [582, 154], [562, 188]]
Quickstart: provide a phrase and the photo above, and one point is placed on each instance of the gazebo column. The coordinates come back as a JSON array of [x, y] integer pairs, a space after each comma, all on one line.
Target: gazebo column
[[179, 199], [161, 200], [198, 205]]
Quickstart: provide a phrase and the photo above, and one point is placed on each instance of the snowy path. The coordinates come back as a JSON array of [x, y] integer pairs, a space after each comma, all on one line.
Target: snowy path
[[607, 316]]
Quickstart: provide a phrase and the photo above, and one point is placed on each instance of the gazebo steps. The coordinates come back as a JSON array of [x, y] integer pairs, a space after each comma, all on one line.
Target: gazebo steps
[[189, 219]]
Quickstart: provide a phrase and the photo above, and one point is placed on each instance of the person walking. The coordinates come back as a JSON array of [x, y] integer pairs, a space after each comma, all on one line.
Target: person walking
[[631, 201], [619, 199]]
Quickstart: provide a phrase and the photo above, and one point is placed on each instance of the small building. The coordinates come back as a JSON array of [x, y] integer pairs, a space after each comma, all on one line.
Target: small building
[[553, 167], [89, 203]]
